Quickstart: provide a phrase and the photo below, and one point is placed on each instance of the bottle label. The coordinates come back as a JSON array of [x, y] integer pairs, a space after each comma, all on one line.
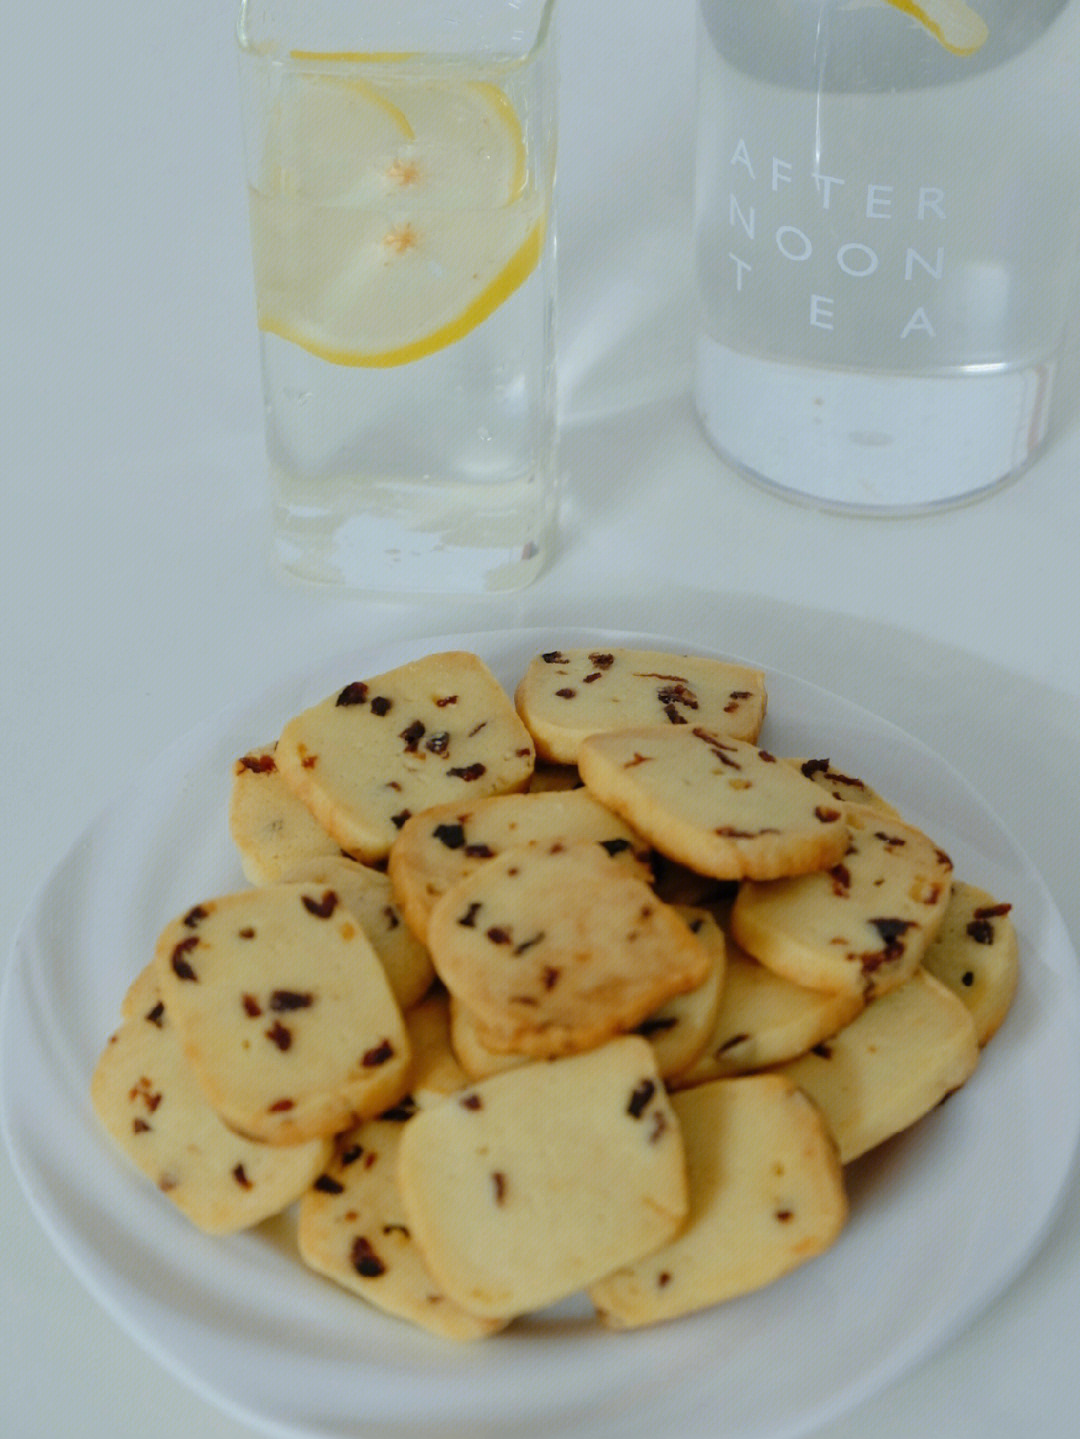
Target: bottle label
[[849, 241]]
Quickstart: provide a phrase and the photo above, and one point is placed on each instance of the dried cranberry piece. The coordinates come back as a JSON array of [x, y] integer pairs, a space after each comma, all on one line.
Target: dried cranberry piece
[[639, 1098], [468, 772], [412, 734], [321, 908], [892, 932], [280, 1035], [181, 966], [283, 1000], [257, 763], [353, 694], [364, 1259]]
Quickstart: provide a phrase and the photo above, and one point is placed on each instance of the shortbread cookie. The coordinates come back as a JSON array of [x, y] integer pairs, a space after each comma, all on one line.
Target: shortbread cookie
[[435, 1070], [722, 807], [680, 1028], [891, 1065], [444, 844], [474, 1056], [533, 1184], [864, 924], [272, 830], [143, 995], [566, 695], [976, 954], [766, 1195], [677, 1030], [368, 895], [283, 1011], [548, 776], [845, 787], [764, 1019], [366, 758], [554, 950], [146, 1097], [354, 1230]]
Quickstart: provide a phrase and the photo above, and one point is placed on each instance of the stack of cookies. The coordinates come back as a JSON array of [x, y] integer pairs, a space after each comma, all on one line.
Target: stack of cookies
[[575, 990]]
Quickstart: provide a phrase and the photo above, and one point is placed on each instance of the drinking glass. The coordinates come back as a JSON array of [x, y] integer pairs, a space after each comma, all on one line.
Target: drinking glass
[[400, 164], [887, 211]]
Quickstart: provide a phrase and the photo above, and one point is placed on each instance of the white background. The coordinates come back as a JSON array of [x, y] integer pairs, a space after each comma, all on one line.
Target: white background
[[136, 598]]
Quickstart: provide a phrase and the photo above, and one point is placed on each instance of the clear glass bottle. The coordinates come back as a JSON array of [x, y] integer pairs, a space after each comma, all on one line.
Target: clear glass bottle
[[401, 164], [886, 244]]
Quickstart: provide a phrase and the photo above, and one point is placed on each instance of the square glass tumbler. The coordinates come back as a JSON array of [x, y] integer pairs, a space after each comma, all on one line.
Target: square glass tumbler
[[887, 220], [400, 165]]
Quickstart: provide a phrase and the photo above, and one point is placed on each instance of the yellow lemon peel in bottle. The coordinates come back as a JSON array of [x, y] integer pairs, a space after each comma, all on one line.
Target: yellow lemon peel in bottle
[[951, 22]]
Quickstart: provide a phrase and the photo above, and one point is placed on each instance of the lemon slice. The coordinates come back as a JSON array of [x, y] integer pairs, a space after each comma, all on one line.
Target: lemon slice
[[469, 149], [951, 22], [392, 218], [331, 139]]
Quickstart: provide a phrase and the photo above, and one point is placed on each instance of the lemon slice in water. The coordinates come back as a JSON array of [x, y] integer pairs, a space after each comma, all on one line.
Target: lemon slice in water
[[951, 22], [393, 217]]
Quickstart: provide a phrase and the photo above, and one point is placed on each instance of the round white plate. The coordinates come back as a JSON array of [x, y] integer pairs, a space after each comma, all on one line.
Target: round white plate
[[942, 1218]]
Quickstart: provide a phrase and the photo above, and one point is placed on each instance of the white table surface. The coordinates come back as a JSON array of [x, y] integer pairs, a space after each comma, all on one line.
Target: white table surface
[[137, 599]]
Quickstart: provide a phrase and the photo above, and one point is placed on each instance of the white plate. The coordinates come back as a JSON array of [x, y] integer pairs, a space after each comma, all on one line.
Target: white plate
[[942, 1219]]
